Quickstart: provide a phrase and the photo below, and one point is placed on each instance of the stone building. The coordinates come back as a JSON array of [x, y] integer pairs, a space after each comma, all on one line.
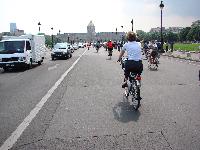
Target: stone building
[[91, 32], [90, 36]]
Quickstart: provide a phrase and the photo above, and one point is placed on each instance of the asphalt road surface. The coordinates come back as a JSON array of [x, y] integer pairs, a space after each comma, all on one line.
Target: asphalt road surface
[[87, 109]]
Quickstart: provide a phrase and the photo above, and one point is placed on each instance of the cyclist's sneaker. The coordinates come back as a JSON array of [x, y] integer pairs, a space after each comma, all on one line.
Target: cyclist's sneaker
[[124, 85]]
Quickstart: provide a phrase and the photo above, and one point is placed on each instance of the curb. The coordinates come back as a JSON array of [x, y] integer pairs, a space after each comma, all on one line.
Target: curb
[[195, 60]]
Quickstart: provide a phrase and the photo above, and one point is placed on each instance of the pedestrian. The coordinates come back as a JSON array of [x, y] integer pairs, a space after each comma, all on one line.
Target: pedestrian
[[167, 45], [119, 46], [172, 46]]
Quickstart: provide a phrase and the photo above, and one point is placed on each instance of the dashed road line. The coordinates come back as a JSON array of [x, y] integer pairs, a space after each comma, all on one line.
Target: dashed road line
[[8, 144]]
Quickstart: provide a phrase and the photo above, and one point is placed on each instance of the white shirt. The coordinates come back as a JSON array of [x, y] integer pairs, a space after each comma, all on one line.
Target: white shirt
[[133, 50]]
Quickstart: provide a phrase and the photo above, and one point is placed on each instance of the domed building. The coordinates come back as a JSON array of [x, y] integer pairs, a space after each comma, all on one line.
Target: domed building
[[91, 31], [90, 36]]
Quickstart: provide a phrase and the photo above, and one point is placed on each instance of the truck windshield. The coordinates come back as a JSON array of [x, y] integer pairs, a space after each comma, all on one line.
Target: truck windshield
[[10, 47]]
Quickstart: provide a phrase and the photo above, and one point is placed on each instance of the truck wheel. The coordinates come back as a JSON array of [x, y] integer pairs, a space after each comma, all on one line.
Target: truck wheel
[[52, 58]]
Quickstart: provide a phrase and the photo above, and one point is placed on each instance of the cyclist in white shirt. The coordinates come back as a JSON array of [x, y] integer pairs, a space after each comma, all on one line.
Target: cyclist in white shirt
[[134, 57]]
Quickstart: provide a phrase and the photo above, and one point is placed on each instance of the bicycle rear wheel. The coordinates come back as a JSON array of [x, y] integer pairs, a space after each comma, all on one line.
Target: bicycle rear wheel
[[136, 96]]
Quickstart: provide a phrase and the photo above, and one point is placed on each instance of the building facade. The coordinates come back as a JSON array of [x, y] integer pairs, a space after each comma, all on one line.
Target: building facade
[[13, 28], [91, 35], [91, 32]]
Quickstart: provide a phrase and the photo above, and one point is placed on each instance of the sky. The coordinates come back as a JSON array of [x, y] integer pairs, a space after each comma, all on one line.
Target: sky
[[73, 16]]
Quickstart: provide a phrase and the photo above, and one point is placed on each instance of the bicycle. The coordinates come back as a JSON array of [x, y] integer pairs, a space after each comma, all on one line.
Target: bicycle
[[133, 88], [153, 61]]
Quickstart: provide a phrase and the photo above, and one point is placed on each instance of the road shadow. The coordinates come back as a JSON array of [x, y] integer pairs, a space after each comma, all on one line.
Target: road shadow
[[17, 69], [13, 70], [124, 111]]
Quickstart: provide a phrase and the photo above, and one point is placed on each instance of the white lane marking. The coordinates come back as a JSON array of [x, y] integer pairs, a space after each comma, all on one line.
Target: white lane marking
[[53, 67], [20, 129]]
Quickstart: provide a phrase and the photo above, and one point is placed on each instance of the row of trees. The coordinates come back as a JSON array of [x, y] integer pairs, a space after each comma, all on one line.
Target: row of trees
[[186, 34]]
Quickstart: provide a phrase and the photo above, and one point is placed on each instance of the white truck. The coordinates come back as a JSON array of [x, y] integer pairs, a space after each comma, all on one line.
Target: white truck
[[21, 51]]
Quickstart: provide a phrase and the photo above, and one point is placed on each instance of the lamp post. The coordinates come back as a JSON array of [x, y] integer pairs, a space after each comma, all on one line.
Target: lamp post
[[161, 32], [116, 33], [52, 37], [68, 39], [59, 37], [122, 34], [39, 24], [132, 24]]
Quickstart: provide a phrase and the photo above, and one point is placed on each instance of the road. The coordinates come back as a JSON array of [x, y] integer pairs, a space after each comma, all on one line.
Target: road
[[87, 110]]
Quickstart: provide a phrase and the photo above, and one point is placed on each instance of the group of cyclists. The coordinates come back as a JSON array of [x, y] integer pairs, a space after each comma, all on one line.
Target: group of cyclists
[[134, 50]]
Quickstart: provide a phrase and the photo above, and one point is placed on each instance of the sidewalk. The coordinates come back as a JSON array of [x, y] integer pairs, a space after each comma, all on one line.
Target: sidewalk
[[192, 56]]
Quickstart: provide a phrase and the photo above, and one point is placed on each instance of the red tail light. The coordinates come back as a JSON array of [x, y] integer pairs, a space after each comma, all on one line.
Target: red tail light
[[138, 78]]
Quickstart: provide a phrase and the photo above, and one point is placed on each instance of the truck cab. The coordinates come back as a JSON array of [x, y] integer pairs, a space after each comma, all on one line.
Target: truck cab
[[14, 53]]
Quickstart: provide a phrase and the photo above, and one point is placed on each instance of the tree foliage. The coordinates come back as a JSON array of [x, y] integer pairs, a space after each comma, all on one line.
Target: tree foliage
[[186, 34]]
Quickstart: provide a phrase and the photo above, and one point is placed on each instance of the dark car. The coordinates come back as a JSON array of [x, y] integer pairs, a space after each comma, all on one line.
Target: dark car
[[61, 50]]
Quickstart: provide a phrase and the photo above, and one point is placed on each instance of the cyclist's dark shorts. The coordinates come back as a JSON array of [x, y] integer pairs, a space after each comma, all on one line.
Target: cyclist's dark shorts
[[154, 53], [132, 66]]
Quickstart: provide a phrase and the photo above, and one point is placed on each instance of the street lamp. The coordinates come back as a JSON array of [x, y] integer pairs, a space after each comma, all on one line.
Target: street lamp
[[161, 34], [59, 37], [52, 37], [68, 39], [132, 24], [39, 24], [116, 34], [122, 34]]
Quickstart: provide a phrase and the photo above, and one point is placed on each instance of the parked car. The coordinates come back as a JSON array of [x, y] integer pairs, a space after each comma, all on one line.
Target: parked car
[[61, 50], [71, 47], [75, 46], [80, 45]]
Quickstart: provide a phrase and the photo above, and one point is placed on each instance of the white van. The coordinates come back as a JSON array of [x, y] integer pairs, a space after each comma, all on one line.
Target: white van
[[21, 51]]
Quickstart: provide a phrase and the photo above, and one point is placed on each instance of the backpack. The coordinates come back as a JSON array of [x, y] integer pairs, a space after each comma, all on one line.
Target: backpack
[[110, 45]]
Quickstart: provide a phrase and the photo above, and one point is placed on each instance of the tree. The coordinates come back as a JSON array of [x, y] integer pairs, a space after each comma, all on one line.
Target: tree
[[183, 34], [194, 34], [48, 40], [141, 34], [170, 36]]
